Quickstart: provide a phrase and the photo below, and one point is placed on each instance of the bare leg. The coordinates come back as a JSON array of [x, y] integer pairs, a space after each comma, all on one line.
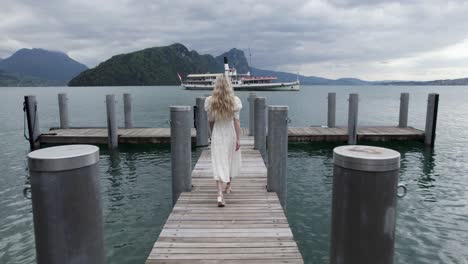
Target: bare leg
[[220, 187], [220, 194], [228, 186]]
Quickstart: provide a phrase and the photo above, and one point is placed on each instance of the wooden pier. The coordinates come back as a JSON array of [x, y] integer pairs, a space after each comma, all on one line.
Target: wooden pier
[[252, 228], [163, 135]]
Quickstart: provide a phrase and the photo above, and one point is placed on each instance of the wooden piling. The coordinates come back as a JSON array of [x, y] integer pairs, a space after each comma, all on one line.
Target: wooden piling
[[353, 118], [331, 110], [63, 110], [431, 119], [404, 104]]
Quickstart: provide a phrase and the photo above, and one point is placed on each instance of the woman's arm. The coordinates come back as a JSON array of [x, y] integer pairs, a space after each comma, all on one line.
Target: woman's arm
[[211, 127], [238, 131]]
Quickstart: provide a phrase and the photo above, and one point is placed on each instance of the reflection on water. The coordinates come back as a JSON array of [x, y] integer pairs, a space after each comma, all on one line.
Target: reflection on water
[[423, 231], [135, 180]]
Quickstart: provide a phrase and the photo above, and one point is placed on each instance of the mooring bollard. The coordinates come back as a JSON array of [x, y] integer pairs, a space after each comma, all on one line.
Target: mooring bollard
[[431, 119], [404, 104], [63, 110], [260, 126], [66, 202], [331, 109], [201, 122], [127, 98], [252, 113], [277, 145], [353, 118], [364, 195], [181, 155], [32, 116], [112, 132]]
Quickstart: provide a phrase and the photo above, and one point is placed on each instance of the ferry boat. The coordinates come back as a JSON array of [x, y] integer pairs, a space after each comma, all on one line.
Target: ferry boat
[[240, 82]]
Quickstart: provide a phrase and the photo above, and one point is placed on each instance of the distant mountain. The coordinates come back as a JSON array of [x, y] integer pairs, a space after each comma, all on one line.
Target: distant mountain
[[160, 65], [236, 59], [152, 66], [12, 79], [308, 80], [42, 64], [461, 81]]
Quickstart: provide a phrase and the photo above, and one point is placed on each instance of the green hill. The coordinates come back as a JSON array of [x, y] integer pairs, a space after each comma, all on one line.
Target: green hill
[[154, 66]]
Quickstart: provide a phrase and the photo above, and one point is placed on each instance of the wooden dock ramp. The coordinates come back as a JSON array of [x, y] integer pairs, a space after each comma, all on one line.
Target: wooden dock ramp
[[252, 228], [163, 135]]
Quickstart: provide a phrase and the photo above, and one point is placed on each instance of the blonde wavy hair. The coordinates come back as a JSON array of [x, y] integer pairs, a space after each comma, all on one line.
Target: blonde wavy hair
[[223, 102]]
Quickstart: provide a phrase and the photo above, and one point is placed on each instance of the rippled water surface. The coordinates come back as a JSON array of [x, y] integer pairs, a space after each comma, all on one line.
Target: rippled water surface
[[432, 220]]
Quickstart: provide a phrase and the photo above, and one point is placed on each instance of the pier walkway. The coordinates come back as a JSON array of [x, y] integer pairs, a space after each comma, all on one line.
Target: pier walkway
[[163, 135], [252, 228]]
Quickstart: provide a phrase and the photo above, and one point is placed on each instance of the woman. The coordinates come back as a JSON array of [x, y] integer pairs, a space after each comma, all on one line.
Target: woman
[[223, 113]]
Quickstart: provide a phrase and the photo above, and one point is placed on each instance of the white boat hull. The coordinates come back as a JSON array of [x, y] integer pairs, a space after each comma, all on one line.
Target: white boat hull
[[285, 86]]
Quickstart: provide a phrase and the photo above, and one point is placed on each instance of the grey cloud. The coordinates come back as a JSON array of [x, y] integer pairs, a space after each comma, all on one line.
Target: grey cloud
[[292, 35]]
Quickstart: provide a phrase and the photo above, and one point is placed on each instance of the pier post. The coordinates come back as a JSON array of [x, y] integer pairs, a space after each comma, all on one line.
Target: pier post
[[112, 132], [260, 126], [252, 113], [201, 122], [404, 103], [331, 109], [66, 204], [181, 155], [30, 108], [364, 195], [63, 110], [127, 98], [431, 119], [277, 145], [353, 118]]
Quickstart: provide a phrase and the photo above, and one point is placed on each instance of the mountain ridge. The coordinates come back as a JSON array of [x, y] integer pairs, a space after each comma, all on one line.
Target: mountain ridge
[[41, 64]]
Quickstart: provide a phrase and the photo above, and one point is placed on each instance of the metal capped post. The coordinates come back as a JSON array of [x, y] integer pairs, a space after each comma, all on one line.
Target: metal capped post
[[251, 100], [201, 122], [260, 126], [277, 145], [331, 110], [112, 132], [63, 110], [30, 109], [353, 118], [66, 201], [181, 155], [404, 104], [127, 98], [431, 119], [365, 181]]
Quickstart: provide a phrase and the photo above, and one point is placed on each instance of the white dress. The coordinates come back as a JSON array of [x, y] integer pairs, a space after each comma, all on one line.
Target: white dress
[[225, 159]]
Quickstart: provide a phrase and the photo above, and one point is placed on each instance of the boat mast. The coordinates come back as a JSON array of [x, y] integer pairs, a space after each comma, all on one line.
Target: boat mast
[[250, 60]]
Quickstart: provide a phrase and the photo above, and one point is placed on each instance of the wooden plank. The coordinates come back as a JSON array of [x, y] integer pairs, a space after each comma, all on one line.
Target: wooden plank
[[252, 228], [162, 135]]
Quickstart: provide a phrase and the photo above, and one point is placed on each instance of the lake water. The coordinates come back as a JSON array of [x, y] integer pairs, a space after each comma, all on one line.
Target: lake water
[[432, 219]]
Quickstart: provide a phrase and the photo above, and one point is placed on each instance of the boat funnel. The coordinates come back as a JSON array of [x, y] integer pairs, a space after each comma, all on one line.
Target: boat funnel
[[226, 66]]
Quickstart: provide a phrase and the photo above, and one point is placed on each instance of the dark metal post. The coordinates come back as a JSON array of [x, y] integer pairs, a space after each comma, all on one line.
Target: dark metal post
[[277, 145], [365, 181], [252, 113], [112, 132], [66, 201], [431, 119], [201, 122], [260, 126], [30, 107], [63, 110], [331, 109], [353, 118], [127, 98], [181, 156], [404, 103]]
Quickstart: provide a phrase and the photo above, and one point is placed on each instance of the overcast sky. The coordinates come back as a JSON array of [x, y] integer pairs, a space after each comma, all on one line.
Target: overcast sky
[[367, 39]]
